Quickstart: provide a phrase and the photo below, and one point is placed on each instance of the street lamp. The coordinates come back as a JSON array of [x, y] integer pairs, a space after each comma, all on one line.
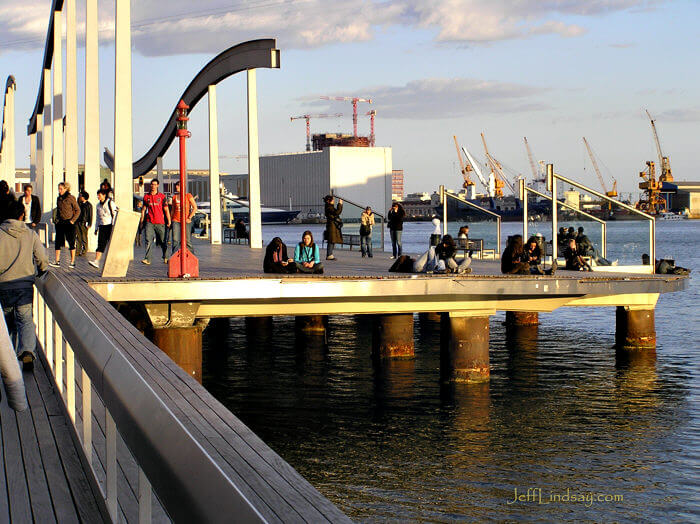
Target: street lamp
[[183, 264]]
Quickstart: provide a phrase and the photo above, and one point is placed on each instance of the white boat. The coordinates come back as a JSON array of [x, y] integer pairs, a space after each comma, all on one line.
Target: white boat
[[672, 216]]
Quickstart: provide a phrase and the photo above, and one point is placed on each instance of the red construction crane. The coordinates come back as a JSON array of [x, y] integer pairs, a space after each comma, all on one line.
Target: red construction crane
[[308, 126], [354, 101], [371, 113]]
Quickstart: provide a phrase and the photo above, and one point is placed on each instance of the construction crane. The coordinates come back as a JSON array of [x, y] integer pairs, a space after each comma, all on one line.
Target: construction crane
[[475, 166], [371, 113], [354, 101], [308, 126], [465, 168], [531, 159], [664, 161], [613, 192], [497, 170]]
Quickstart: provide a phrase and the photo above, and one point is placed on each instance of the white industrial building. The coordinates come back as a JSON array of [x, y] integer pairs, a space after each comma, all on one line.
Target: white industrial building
[[300, 180]]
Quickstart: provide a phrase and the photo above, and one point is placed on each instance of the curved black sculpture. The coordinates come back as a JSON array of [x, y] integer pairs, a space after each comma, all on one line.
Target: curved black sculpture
[[248, 55]]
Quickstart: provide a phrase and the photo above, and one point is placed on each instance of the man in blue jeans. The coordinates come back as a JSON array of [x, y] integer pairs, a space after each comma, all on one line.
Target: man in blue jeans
[[21, 253]]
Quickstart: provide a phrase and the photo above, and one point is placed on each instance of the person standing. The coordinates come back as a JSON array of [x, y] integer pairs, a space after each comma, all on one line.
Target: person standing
[[395, 221], [366, 223], [156, 217], [104, 220], [334, 235], [21, 253], [32, 207], [190, 210], [84, 223], [66, 215], [6, 199]]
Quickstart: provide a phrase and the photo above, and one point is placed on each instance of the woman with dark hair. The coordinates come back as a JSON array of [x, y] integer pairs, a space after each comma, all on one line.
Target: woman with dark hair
[[306, 256], [446, 251], [276, 259], [6, 198], [513, 261]]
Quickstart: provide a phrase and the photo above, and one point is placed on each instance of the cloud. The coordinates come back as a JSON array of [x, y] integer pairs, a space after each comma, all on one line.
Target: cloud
[[679, 115], [622, 45], [437, 98], [210, 26]]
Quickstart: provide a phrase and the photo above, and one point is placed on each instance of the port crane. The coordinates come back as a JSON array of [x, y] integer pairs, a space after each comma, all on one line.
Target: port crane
[[664, 161], [308, 126], [651, 201], [497, 170], [533, 167], [466, 169], [613, 192], [371, 113], [354, 100], [488, 186]]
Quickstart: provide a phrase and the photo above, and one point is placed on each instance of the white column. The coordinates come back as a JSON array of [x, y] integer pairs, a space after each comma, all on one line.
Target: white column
[[123, 146], [32, 161], [38, 179], [57, 164], [253, 165], [48, 201], [71, 99], [9, 149], [92, 109], [214, 191]]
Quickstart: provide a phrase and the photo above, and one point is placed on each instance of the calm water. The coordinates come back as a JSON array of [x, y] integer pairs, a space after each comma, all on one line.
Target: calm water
[[560, 412]]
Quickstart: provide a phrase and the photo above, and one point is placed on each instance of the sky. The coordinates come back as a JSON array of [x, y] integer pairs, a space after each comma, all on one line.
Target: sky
[[549, 70]]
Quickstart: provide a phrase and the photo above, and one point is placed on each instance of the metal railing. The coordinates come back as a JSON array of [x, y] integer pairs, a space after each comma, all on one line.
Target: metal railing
[[443, 200], [524, 190], [155, 437], [382, 218], [552, 179]]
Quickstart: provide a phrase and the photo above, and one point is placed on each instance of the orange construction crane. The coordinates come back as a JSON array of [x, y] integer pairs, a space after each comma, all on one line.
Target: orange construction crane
[[499, 178], [308, 126], [354, 101], [612, 193], [664, 161], [651, 202], [465, 168]]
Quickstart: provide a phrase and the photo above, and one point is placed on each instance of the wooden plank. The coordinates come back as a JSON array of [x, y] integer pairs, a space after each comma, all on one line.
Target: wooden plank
[[85, 494], [17, 491], [260, 474], [61, 498], [34, 468], [4, 502]]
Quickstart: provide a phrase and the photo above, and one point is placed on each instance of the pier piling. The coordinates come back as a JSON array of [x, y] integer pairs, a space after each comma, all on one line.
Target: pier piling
[[522, 318], [312, 324], [635, 328], [392, 336], [464, 348], [184, 346]]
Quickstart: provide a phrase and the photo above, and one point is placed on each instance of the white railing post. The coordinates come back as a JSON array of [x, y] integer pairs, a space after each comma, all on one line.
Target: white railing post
[[552, 183], [87, 416], [70, 381], [111, 464], [214, 190], [58, 355], [48, 334], [144, 498]]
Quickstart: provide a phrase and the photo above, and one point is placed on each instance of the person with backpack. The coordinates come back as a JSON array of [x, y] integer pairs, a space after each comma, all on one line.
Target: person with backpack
[[66, 215], [104, 221]]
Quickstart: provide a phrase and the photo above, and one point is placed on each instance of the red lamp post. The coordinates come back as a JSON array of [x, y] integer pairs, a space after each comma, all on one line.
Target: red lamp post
[[183, 264]]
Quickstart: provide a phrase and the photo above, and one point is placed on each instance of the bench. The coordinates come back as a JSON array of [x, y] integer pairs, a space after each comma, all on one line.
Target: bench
[[474, 244], [348, 240], [230, 236]]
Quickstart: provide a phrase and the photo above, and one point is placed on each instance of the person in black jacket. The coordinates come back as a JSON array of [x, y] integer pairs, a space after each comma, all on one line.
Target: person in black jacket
[[6, 199], [446, 251], [276, 258], [31, 203], [334, 234], [513, 259], [395, 218], [83, 224]]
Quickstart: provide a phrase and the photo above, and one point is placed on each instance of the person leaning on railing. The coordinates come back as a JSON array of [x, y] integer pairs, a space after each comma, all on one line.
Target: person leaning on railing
[[21, 253]]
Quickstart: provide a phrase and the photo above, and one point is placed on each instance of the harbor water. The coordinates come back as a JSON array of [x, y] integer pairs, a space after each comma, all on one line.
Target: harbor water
[[564, 430]]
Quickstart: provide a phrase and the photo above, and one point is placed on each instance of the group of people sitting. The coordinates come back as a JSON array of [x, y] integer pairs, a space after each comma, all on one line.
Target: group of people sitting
[[583, 245], [307, 258], [525, 259]]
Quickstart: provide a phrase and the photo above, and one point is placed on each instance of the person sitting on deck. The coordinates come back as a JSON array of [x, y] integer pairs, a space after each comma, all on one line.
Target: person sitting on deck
[[586, 248], [306, 255], [513, 261], [240, 229], [446, 250], [574, 261], [463, 239], [533, 255], [276, 258]]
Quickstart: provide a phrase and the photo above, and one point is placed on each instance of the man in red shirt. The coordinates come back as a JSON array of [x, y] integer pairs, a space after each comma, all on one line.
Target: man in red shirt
[[156, 216], [190, 210]]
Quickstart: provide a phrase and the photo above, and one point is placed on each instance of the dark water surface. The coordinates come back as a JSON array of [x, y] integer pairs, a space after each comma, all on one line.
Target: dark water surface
[[604, 439]]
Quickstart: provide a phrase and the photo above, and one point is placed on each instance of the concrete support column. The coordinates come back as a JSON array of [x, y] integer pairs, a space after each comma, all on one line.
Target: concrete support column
[[522, 318], [254, 164], [184, 346], [92, 109], [258, 325], [313, 324], [431, 317], [123, 131], [464, 347], [57, 164], [214, 191], [72, 99], [392, 336], [635, 328], [48, 198]]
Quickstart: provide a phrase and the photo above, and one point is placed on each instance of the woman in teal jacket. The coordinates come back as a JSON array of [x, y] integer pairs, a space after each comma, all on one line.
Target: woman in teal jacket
[[306, 256]]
